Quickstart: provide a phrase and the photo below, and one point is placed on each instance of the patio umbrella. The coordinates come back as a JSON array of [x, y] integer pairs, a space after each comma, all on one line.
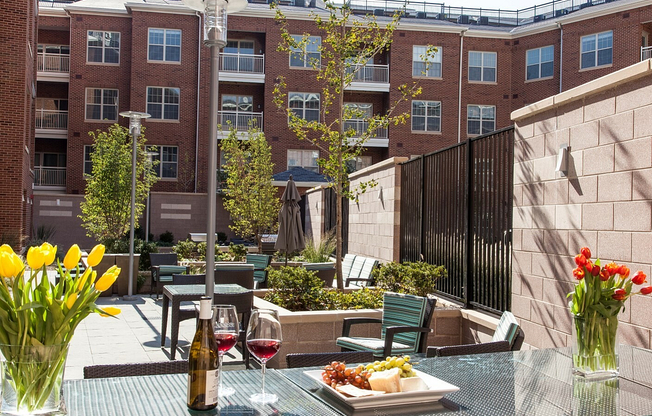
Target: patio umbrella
[[290, 233]]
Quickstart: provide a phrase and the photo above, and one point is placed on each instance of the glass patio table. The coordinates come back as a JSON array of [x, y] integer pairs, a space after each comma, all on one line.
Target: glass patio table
[[537, 382]]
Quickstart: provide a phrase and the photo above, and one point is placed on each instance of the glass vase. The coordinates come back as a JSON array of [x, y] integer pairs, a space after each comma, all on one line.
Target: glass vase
[[595, 344], [32, 378], [591, 397]]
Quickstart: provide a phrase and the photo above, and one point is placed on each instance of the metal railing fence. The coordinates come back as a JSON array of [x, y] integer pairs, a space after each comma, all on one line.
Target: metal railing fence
[[53, 62], [240, 120], [49, 176], [242, 63], [370, 73], [456, 211], [51, 119]]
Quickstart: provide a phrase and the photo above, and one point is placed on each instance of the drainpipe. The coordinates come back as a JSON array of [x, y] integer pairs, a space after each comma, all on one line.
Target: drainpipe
[[199, 43], [561, 53], [459, 92]]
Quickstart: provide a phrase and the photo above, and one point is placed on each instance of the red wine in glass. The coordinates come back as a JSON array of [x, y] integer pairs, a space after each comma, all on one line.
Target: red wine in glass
[[264, 349], [225, 341]]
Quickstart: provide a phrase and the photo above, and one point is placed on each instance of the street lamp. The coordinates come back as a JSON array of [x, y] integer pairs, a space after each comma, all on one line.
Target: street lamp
[[134, 129], [215, 12]]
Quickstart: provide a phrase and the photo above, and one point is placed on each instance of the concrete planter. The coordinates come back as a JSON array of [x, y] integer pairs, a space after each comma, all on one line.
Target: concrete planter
[[121, 286]]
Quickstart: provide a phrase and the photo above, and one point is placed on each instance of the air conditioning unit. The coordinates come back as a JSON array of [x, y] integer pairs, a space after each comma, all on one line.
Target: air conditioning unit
[[483, 20], [463, 19], [585, 5], [379, 12], [421, 15], [562, 12], [539, 17]]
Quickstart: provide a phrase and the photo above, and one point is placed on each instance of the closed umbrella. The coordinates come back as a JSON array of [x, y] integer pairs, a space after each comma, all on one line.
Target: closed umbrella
[[290, 233]]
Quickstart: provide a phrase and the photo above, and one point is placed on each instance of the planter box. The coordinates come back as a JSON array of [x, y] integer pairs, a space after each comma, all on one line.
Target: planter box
[[121, 286]]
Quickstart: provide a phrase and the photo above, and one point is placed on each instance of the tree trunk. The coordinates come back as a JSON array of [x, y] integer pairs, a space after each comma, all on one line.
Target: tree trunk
[[338, 237]]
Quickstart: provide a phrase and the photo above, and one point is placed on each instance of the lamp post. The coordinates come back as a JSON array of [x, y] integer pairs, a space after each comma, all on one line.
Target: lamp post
[[215, 12], [134, 129]]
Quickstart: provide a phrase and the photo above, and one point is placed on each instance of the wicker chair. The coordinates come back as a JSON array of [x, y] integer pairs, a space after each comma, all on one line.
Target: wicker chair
[[235, 273], [324, 358], [509, 336], [136, 369]]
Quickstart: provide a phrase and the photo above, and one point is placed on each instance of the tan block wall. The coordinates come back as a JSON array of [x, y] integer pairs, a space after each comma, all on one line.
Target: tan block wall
[[374, 221], [604, 203], [315, 213]]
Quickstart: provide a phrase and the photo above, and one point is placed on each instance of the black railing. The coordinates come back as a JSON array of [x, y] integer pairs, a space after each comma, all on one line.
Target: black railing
[[456, 211]]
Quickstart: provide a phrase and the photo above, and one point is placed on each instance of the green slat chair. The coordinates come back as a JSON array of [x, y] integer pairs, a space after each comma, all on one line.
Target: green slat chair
[[347, 263], [260, 262], [405, 327], [365, 277]]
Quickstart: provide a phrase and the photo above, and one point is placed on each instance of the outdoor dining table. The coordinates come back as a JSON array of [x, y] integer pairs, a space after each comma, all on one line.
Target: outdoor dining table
[[176, 294], [537, 382]]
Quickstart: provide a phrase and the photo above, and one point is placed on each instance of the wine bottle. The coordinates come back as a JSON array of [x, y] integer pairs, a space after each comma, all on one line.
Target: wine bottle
[[203, 362]]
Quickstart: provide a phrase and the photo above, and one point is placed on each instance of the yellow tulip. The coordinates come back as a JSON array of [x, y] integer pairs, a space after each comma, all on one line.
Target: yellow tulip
[[107, 280], [6, 265], [35, 258], [18, 263], [6, 248], [110, 311], [82, 280], [71, 300], [96, 255], [72, 257], [50, 253]]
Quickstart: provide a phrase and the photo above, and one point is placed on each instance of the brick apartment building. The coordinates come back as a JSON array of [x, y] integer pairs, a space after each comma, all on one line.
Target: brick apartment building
[[96, 58]]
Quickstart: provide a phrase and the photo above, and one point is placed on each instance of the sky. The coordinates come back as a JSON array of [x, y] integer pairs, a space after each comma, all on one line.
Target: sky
[[495, 4]]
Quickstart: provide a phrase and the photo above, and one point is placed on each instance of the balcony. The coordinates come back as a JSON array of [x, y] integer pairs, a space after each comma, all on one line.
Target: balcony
[[378, 139], [53, 67], [50, 177], [240, 120], [646, 53], [238, 67], [369, 77], [51, 123]]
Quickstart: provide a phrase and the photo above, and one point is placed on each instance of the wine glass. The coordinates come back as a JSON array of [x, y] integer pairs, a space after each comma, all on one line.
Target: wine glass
[[263, 341], [227, 331]]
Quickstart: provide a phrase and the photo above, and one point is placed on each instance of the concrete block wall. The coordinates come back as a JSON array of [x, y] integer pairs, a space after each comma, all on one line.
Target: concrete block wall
[[374, 221], [315, 213], [604, 202]]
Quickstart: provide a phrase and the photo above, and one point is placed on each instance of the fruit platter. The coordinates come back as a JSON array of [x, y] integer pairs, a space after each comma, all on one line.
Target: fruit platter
[[390, 382]]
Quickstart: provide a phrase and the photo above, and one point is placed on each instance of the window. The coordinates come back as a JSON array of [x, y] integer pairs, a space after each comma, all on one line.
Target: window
[[101, 104], [51, 160], [481, 119], [103, 47], [237, 103], [426, 116], [309, 55], [597, 50], [164, 45], [88, 162], [358, 163], [306, 159], [540, 62], [482, 66], [422, 59], [168, 157], [305, 105], [163, 103]]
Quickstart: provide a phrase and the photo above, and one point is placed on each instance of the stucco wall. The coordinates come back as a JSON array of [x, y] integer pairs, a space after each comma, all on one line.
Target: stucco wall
[[374, 221], [604, 203]]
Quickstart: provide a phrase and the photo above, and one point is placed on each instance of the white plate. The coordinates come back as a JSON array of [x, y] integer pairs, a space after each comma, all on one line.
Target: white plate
[[436, 390]]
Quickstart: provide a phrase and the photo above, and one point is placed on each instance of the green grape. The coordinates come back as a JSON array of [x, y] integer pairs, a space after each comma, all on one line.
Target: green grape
[[406, 358], [407, 367], [400, 361]]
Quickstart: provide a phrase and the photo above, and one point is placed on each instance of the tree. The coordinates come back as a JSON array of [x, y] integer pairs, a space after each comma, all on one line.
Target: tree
[[348, 43], [250, 197], [106, 210]]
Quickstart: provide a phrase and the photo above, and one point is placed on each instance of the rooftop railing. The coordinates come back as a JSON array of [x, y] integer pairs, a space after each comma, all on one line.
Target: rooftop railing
[[49, 176], [53, 62], [57, 4], [240, 120], [242, 63], [51, 119]]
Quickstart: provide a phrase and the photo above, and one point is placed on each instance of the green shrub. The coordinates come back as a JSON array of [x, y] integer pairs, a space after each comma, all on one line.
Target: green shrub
[[121, 246], [166, 237], [237, 252], [319, 252], [298, 289], [140, 282], [414, 278], [185, 249]]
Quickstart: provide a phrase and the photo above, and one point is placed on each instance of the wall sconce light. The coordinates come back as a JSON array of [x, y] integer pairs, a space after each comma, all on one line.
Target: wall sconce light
[[562, 160], [380, 193]]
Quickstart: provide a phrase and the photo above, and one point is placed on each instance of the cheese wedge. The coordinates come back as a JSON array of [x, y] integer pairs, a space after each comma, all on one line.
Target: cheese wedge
[[388, 381], [413, 384], [353, 391]]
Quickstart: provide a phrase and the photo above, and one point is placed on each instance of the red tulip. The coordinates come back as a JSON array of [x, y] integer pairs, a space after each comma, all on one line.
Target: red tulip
[[579, 273], [623, 271], [612, 268], [619, 294], [595, 270], [604, 275], [580, 260], [586, 252], [646, 290], [639, 278]]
